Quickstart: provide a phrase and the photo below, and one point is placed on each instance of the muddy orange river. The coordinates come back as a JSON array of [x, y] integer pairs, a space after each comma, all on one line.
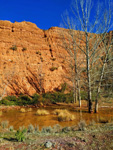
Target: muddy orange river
[[17, 119]]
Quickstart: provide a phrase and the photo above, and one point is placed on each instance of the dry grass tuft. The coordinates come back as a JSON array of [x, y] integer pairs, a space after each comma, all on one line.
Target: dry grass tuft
[[30, 109], [22, 110], [41, 112], [58, 111], [64, 115]]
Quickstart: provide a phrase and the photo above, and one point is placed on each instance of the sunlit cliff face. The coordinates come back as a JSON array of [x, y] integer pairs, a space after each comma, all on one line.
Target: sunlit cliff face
[[34, 60], [30, 58]]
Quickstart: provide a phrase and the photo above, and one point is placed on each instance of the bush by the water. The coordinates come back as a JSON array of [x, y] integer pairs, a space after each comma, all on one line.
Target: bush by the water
[[35, 98], [58, 97], [9, 100], [30, 109], [21, 100], [58, 111], [64, 115], [22, 110], [24, 100], [20, 135], [42, 112], [45, 98]]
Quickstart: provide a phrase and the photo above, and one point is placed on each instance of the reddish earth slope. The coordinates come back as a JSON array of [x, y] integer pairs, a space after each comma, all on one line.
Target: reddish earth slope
[[31, 60], [36, 64]]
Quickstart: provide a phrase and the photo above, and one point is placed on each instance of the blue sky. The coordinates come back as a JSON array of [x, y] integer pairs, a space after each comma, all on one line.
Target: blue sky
[[44, 13]]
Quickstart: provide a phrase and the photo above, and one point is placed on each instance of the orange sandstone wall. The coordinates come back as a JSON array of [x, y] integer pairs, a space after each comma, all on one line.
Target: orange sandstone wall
[[28, 69]]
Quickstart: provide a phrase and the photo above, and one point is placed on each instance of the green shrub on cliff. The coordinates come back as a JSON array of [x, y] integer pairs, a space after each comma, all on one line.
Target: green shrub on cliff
[[24, 100], [35, 98], [14, 47], [9, 100]]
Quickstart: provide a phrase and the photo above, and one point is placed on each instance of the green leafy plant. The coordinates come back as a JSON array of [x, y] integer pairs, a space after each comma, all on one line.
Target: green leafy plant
[[4, 124], [83, 95], [36, 128], [57, 128], [46, 129], [66, 129], [24, 49], [4, 102], [82, 125], [30, 128], [35, 99], [12, 98], [14, 47], [20, 135], [53, 68], [11, 128], [63, 87], [24, 100], [58, 97], [9, 100]]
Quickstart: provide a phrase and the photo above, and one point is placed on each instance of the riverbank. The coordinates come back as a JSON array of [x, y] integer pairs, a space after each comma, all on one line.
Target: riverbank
[[69, 138]]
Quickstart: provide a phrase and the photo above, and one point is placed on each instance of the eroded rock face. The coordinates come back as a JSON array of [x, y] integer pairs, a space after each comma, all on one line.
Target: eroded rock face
[[30, 58], [34, 60]]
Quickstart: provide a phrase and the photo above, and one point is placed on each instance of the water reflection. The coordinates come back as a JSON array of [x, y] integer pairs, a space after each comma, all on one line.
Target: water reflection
[[17, 119]]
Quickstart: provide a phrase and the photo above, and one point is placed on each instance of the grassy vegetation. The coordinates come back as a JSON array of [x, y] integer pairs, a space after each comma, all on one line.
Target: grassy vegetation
[[22, 110], [42, 112], [4, 124], [14, 47], [20, 135], [82, 125], [64, 115], [20, 100], [30, 109], [57, 111], [93, 137], [24, 49], [44, 99], [53, 68]]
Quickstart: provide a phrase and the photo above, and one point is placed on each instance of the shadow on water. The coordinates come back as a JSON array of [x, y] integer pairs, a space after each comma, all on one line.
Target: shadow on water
[[17, 119]]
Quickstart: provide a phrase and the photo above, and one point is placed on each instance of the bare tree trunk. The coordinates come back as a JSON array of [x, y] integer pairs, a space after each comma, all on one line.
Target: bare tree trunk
[[4, 92], [99, 85], [74, 95], [79, 95], [92, 35], [107, 53], [96, 106], [90, 107]]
